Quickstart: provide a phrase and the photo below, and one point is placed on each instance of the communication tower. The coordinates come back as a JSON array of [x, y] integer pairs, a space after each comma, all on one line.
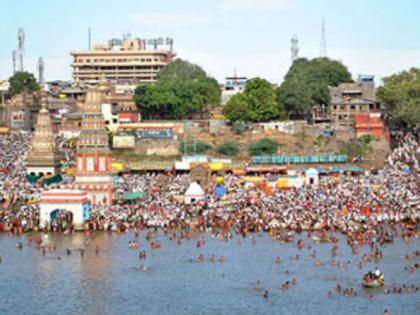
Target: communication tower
[[40, 70], [14, 61], [323, 49], [294, 47], [21, 45]]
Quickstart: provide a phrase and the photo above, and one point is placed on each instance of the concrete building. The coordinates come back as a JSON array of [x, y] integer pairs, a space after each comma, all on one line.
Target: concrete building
[[349, 99], [125, 60], [370, 124], [233, 85], [21, 111]]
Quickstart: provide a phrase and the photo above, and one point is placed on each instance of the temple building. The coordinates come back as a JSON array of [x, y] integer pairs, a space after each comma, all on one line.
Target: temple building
[[43, 156], [93, 173]]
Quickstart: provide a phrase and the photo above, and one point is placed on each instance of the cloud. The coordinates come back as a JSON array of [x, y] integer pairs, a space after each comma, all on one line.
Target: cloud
[[169, 19], [250, 5]]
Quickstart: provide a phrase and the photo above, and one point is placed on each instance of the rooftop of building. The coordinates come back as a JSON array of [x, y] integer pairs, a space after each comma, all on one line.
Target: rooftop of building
[[129, 45], [360, 91]]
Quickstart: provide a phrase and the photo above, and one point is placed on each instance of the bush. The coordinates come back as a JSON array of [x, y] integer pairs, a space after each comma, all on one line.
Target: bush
[[359, 148], [228, 148], [191, 148], [365, 139], [238, 127], [263, 147]]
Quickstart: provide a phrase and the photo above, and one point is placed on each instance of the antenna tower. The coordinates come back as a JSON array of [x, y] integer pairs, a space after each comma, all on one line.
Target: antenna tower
[[40, 70], [323, 49], [294, 47], [89, 39], [14, 61], [21, 45]]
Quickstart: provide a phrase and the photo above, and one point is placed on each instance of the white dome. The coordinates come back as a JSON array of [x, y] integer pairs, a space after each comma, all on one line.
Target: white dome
[[194, 190]]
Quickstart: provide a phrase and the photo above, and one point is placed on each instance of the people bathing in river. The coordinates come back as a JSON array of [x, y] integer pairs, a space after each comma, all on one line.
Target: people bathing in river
[[142, 255]]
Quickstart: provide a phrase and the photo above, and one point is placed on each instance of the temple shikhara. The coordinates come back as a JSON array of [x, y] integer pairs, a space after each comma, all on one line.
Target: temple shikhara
[[43, 157], [93, 173]]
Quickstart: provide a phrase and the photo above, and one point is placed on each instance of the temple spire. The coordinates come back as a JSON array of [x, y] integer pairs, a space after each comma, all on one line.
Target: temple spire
[[43, 156]]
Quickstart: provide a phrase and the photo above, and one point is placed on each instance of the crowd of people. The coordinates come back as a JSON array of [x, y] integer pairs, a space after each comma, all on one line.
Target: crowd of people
[[356, 205]]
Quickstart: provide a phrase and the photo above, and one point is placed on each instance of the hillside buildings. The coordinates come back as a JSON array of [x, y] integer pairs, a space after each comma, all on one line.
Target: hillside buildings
[[233, 85], [348, 100]]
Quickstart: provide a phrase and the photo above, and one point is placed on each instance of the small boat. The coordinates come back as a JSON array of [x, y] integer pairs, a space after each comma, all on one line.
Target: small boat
[[370, 280]]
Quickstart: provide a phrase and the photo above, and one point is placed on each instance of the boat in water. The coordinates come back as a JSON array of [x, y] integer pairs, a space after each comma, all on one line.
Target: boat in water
[[373, 279]]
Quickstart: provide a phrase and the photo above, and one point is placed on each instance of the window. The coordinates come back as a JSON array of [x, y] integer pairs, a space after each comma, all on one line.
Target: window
[[102, 164], [353, 107], [90, 164]]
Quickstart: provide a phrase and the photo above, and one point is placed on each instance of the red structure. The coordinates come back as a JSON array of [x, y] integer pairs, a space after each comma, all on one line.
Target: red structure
[[369, 124], [93, 173], [128, 117]]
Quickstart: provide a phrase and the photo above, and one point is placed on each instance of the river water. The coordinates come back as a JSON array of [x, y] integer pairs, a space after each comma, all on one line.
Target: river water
[[110, 283]]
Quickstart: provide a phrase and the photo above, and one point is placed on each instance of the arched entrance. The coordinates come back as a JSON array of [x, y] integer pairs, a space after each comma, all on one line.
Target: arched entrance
[[60, 207], [61, 219]]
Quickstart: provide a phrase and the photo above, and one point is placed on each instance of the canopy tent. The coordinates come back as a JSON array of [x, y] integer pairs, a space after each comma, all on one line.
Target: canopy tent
[[220, 191], [53, 179], [132, 196], [33, 178], [346, 169]]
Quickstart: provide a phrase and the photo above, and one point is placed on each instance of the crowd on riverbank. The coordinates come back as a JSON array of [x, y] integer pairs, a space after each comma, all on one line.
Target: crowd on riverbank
[[360, 206]]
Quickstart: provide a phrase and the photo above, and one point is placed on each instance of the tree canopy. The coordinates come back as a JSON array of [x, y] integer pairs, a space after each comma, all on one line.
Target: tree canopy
[[307, 82], [22, 82], [400, 94], [257, 103], [265, 146], [183, 89], [228, 148]]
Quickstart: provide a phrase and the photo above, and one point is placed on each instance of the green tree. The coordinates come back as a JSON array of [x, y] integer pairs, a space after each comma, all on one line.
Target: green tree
[[238, 127], [237, 108], [22, 82], [400, 95], [257, 103], [183, 70], [182, 90], [228, 148], [307, 82], [263, 147]]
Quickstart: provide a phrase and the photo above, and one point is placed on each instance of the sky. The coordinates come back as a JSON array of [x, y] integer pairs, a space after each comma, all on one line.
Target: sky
[[378, 37]]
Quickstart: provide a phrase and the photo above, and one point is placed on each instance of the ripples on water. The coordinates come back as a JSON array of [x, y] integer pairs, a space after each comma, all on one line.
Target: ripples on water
[[111, 283]]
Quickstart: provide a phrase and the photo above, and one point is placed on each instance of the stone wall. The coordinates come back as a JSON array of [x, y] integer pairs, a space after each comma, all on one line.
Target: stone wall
[[162, 147]]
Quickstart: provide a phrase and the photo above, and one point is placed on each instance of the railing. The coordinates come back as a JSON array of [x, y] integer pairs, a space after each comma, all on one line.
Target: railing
[[306, 159]]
